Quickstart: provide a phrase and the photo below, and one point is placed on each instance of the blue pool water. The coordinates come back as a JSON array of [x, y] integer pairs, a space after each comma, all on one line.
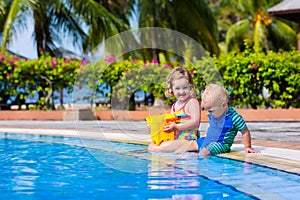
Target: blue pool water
[[44, 167]]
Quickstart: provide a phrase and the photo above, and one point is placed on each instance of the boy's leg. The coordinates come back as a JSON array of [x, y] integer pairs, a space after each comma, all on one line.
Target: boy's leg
[[204, 152]]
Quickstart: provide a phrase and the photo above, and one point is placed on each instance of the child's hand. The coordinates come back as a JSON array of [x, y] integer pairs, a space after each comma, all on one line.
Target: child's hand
[[251, 150], [172, 126]]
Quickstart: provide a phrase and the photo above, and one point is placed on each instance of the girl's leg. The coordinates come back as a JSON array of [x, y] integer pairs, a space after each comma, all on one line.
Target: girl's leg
[[179, 146], [153, 147], [165, 146], [187, 146]]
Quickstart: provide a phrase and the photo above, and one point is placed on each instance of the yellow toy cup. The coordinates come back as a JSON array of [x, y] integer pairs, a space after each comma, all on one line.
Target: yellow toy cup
[[156, 124]]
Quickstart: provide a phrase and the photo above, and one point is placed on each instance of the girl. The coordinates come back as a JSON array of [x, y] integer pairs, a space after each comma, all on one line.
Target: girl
[[180, 85]]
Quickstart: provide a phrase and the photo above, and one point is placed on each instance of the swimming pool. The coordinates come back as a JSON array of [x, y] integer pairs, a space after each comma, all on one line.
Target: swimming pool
[[49, 167]]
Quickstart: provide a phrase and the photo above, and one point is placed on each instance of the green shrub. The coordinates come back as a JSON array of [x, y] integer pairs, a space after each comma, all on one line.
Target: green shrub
[[245, 75], [44, 75]]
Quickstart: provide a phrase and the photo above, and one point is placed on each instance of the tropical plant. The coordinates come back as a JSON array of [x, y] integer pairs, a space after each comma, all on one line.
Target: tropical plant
[[256, 80], [192, 18], [102, 19], [6, 86], [255, 25], [51, 19], [55, 19], [21, 78]]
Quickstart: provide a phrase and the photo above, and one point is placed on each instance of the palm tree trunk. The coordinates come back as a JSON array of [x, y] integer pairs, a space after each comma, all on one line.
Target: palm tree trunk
[[154, 39], [154, 46], [61, 98], [38, 33]]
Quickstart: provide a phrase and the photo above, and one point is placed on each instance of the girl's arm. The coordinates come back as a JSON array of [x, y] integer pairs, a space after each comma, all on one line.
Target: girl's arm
[[192, 108]]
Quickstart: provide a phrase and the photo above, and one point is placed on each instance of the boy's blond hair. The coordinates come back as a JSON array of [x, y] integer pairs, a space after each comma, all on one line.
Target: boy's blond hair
[[215, 93], [176, 74]]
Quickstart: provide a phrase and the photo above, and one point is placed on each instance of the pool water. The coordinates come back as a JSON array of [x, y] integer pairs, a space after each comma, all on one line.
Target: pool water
[[46, 167]]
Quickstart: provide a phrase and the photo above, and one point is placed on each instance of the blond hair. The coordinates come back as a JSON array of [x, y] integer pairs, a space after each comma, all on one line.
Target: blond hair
[[215, 93], [176, 74]]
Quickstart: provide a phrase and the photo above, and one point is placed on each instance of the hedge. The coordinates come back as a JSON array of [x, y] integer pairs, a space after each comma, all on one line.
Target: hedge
[[254, 80]]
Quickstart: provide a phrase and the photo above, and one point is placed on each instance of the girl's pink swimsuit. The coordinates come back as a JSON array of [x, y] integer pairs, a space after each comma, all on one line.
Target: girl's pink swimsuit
[[192, 134]]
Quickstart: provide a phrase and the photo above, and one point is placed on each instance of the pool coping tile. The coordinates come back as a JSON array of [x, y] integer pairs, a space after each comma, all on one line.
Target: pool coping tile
[[287, 165]]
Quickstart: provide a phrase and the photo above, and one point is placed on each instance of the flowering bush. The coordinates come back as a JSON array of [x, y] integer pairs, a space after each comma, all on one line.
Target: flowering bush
[[123, 79], [45, 75], [254, 80], [257, 80]]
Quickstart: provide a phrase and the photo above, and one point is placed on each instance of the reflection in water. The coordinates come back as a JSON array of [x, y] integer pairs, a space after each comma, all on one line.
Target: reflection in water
[[24, 176], [166, 174]]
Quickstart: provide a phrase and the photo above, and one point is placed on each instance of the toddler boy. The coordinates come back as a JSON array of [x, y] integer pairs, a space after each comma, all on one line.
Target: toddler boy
[[224, 123]]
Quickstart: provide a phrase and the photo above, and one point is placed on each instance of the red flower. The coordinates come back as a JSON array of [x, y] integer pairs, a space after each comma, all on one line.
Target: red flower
[[155, 62], [53, 62], [110, 59], [84, 62], [167, 66]]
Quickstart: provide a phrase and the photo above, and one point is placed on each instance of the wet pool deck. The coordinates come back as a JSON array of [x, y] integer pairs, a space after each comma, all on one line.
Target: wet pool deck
[[279, 142]]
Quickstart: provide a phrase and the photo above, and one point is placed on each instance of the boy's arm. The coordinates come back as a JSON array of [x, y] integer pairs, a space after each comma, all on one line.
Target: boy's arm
[[247, 141]]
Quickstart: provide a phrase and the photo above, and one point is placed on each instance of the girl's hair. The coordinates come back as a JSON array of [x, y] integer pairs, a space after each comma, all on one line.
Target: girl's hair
[[176, 74], [216, 93]]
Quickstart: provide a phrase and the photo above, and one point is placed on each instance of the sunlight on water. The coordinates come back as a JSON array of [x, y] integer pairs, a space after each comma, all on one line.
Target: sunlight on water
[[35, 170]]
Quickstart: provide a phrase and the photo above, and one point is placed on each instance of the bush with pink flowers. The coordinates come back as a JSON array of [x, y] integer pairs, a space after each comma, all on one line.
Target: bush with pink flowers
[[21, 77], [254, 80]]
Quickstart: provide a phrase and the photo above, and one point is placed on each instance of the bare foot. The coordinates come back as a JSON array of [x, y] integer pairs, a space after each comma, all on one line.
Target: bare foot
[[152, 147]]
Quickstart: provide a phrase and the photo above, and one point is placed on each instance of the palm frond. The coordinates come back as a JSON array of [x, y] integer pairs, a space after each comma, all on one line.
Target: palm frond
[[14, 9], [196, 20], [282, 35], [259, 36], [236, 35]]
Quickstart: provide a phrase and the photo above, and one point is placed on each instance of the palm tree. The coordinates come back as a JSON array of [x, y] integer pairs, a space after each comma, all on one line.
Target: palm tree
[[51, 19], [103, 18], [193, 18], [154, 14], [6, 26], [262, 30], [226, 15], [56, 18]]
